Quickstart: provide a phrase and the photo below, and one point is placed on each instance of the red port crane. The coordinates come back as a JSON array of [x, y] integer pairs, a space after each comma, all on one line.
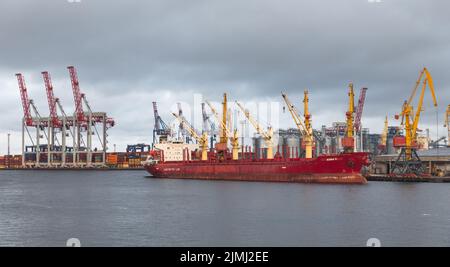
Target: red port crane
[[25, 101], [359, 110], [56, 122], [79, 98]]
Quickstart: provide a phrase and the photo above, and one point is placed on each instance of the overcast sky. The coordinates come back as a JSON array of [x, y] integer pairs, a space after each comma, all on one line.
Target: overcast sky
[[129, 53]]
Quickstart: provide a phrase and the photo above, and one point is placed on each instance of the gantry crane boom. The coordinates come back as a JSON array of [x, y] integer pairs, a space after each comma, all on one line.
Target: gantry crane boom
[[266, 135], [55, 121], [234, 138], [305, 131], [77, 95], [25, 100], [202, 140], [359, 109]]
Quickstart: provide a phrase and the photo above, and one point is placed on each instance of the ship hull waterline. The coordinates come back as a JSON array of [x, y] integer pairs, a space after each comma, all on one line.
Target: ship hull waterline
[[330, 169]]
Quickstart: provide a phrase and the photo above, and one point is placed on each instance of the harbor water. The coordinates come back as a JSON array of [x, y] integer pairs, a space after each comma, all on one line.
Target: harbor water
[[128, 208]]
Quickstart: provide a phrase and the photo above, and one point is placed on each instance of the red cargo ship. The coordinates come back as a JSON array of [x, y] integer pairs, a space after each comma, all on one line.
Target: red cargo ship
[[336, 169]]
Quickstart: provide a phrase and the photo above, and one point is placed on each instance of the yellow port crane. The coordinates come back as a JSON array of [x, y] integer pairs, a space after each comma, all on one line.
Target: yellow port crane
[[266, 135], [202, 140], [408, 160], [304, 128], [234, 139], [409, 122]]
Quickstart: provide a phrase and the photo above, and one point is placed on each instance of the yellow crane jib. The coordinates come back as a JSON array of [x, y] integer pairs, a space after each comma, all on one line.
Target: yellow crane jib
[[348, 141], [266, 135], [385, 133], [305, 131], [201, 139], [223, 133], [234, 138]]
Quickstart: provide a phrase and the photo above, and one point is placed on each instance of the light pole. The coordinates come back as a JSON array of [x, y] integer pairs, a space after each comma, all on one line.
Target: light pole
[[9, 165]]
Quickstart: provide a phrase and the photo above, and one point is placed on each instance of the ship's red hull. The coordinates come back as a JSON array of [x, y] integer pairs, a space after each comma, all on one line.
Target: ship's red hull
[[340, 169]]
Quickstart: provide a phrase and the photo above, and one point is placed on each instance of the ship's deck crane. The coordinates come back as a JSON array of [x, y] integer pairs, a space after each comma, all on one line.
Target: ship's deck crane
[[408, 160], [234, 138], [266, 135], [305, 131], [348, 141], [223, 132], [208, 126], [309, 141], [202, 140]]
